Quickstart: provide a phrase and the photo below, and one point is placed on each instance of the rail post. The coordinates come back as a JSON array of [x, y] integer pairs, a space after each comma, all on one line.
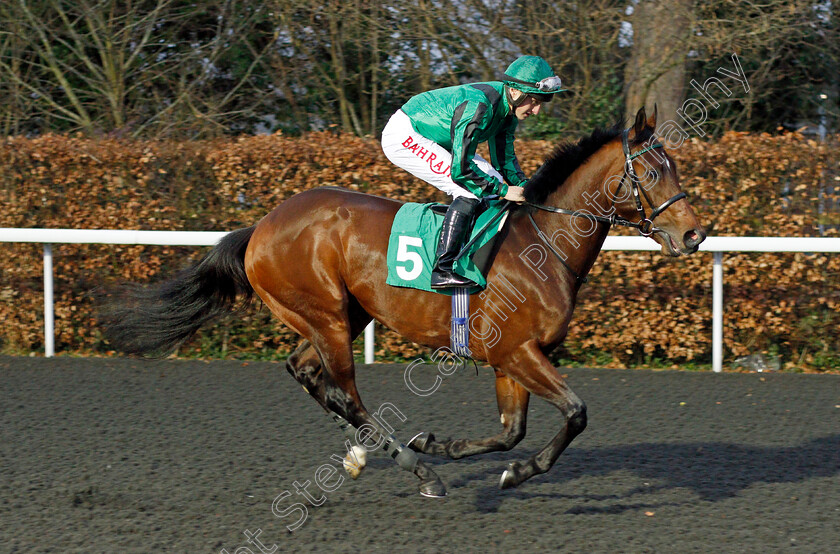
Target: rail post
[[49, 313], [717, 313], [369, 343]]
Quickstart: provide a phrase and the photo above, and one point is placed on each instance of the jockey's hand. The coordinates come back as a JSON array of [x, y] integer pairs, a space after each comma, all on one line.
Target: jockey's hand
[[515, 194]]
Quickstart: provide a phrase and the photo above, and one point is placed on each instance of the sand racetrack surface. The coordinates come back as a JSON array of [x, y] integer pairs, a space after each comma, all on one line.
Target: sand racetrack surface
[[124, 455]]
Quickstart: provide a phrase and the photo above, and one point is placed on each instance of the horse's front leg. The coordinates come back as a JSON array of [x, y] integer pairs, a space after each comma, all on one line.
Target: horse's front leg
[[532, 369], [512, 399]]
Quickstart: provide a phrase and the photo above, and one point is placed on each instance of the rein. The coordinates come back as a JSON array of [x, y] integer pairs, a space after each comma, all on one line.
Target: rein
[[644, 225]]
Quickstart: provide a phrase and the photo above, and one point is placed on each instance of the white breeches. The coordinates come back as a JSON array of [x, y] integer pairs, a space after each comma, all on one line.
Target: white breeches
[[424, 158]]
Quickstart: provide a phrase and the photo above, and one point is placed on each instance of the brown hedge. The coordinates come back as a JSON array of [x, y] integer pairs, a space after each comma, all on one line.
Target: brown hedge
[[637, 306]]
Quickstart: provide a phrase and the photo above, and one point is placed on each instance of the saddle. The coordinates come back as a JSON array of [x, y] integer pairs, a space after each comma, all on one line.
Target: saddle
[[414, 237]]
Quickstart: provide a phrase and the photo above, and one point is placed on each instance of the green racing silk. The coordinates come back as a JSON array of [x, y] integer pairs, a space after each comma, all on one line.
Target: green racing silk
[[459, 118]]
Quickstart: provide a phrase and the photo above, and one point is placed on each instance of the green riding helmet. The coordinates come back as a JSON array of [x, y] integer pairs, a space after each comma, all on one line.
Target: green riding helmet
[[532, 75]]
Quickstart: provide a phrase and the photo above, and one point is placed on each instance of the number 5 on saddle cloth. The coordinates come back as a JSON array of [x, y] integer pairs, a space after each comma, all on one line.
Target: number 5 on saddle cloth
[[411, 255]]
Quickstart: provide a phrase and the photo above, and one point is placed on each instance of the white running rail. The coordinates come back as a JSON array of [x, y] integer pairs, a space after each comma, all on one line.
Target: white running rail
[[717, 245]]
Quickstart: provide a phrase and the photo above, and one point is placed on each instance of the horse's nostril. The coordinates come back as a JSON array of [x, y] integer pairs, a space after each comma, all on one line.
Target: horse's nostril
[[694, 237]]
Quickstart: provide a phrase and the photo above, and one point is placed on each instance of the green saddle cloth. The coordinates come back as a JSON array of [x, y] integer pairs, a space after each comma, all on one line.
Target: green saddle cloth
[[414, 239]]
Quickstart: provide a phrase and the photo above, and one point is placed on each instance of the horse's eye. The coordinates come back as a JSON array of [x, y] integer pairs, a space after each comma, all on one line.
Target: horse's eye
[[654, 175]]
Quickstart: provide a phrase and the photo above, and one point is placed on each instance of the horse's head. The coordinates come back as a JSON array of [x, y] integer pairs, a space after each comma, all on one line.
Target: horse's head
[[648, 193], [617, 176]]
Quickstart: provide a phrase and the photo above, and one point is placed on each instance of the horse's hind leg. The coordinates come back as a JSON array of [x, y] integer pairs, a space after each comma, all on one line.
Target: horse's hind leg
[[304, 364], [512, 399], [334, 386], [342, 397]]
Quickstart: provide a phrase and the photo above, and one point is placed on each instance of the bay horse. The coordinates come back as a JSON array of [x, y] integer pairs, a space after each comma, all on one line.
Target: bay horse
[[318, 261]]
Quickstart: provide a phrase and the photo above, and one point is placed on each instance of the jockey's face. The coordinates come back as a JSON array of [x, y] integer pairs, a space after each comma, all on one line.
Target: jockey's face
[[531, 106]]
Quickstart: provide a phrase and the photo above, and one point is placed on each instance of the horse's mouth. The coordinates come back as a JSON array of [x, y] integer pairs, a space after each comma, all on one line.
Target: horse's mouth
[[671, 247]]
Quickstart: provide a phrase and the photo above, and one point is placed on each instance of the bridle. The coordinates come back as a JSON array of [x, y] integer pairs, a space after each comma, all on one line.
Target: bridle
[[644, 225]]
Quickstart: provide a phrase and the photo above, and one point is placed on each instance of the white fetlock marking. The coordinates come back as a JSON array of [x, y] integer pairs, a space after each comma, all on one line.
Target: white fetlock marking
[[354, 463], [503, 419]]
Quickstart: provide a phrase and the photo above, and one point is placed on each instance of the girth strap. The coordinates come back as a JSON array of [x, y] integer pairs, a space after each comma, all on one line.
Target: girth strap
[[459, 335]]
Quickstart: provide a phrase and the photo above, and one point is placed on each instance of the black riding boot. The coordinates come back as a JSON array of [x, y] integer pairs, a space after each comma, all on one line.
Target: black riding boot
[[456, 227]]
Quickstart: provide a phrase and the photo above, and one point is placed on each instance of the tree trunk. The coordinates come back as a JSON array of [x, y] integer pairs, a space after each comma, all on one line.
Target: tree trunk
[[656, 71]]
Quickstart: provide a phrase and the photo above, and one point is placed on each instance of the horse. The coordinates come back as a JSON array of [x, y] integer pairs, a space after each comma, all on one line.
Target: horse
[[318, 262]]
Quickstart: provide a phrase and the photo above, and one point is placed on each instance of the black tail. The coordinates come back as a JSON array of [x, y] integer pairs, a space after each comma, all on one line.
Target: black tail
[[156, 319]]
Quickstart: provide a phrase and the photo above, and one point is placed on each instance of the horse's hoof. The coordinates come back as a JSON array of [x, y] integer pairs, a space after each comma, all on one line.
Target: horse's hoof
[[420, 441], [509, 478], [432, 489]]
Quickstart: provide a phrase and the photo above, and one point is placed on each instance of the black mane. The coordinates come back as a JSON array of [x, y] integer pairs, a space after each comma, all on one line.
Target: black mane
[[567, 157]]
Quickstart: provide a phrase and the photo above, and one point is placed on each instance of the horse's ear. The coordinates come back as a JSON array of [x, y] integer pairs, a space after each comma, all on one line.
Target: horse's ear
[[640, 123], [651, 121]]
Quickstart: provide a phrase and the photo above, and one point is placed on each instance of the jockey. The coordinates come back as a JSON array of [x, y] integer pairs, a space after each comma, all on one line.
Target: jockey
[[435, 134]]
